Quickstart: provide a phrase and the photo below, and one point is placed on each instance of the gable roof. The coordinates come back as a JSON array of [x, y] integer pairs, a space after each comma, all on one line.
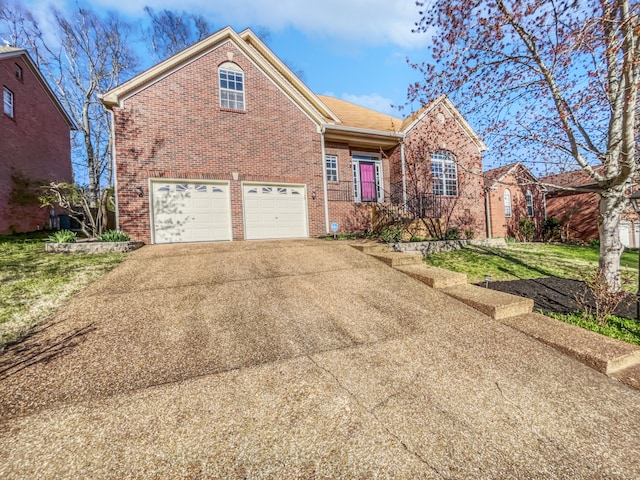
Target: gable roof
[[7, 52], [496, 175], [414, 119], [338, 119], [253, 48]]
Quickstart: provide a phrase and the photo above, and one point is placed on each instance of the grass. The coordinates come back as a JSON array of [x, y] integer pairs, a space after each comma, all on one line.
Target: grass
[[34, 283], [620, 328], [531, 260]]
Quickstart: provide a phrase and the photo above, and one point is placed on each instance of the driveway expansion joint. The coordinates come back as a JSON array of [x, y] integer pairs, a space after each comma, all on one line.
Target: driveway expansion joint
[[371, 412]]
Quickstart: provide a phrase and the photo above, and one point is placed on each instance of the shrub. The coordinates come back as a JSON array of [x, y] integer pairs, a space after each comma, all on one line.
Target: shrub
[[526, 229], [510, 240], [113, 236], [469, 234], [63, 236], [415, 239], [452, 233], [552, 230], [598, 300], [391, 234]]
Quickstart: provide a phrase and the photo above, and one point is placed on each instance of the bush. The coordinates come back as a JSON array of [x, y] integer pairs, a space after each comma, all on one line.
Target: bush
[[552, 230], [598, 300], [452, 233], [526, 229], [391, 234], [113, 236], [469, 234], [63, 236]]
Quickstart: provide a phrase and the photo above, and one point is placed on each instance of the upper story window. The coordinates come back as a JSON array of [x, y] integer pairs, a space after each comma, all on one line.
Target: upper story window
[[7, 96], [231, 86], [507, 203], [331, 163], [18, 72], [444, 173], [529, 198]]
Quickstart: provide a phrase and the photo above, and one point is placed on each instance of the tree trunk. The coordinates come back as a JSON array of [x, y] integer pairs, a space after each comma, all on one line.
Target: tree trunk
[[611, 207]]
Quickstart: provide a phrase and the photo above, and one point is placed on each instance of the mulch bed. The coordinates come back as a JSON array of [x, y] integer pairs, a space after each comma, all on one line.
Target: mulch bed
[[557, 295]]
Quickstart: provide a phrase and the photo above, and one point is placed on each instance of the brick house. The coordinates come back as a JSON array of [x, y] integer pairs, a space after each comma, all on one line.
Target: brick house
[[578, 210], [34, 145], [513, 193], [223, 142]]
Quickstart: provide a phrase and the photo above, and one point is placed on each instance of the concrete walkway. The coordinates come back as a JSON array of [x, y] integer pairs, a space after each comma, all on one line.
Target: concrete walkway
[[299, 359]]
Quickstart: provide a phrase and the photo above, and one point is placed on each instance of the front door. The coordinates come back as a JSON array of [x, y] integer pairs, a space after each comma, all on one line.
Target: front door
[[368, 187], [367, 178]]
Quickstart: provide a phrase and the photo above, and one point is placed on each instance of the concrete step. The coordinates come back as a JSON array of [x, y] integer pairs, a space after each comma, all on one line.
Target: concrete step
[[497, 305], [629, 376], [601, 353], [433, 276], [370, 248], [395, 259]]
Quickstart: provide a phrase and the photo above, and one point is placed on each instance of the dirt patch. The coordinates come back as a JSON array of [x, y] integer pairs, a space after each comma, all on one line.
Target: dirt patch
[[557, 295]]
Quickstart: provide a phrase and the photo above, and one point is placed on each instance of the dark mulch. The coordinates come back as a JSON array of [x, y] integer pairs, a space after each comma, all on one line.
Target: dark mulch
[[557, 295]]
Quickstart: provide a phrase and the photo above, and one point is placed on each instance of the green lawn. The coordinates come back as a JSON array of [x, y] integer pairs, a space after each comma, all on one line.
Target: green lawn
[[34, 283], [530, 260]]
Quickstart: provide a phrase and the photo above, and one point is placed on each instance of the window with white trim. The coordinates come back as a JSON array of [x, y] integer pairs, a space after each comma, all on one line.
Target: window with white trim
[[444, 173], [7, 96], [507, 203], [529, 198], [231, 81], [331, 164]]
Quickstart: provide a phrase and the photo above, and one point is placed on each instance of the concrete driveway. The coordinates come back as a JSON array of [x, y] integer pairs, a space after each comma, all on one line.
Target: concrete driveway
[[297, 359]]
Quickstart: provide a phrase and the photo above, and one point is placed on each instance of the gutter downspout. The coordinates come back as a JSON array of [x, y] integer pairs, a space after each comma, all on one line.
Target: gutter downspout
[[324, 180], [113, 168], [487, 211], [404, 178]]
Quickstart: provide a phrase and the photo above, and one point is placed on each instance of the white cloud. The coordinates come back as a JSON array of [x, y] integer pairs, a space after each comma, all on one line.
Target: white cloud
[[374, 102], [362, 22]]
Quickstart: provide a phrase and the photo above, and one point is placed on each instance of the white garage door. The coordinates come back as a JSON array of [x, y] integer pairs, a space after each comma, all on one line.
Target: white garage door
[[191, 212], [274, 211]]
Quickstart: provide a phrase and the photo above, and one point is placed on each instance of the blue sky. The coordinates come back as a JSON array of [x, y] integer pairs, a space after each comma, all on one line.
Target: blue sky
[[355, 50]]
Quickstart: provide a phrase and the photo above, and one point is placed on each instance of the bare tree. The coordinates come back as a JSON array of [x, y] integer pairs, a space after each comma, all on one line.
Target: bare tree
[[87, 56], [171, 31], [555, 80]]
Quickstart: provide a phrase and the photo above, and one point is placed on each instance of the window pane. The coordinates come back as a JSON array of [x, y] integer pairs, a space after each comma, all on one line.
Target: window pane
[[231, 89]]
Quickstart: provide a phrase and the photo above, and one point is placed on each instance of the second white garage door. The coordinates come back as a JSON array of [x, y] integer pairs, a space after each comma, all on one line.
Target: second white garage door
[[274, 211]]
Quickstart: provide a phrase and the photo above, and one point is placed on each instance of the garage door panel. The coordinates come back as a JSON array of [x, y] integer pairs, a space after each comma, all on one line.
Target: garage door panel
[[190, 212], [278, 211]]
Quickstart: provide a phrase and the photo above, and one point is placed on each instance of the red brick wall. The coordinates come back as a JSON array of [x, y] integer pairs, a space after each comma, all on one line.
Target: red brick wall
[[34, 147], [440, 131], [502, 226], [176, 129], [578, 213]]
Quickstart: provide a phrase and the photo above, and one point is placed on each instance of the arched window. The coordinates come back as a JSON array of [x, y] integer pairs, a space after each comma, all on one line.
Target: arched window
[[231, 86], [507, 203], [529, 198], [444, 173]]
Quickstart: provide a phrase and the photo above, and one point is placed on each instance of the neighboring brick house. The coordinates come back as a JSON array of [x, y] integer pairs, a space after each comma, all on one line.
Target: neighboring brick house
[[578, 210], [513, 193], [223, 142], [34, 142]]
